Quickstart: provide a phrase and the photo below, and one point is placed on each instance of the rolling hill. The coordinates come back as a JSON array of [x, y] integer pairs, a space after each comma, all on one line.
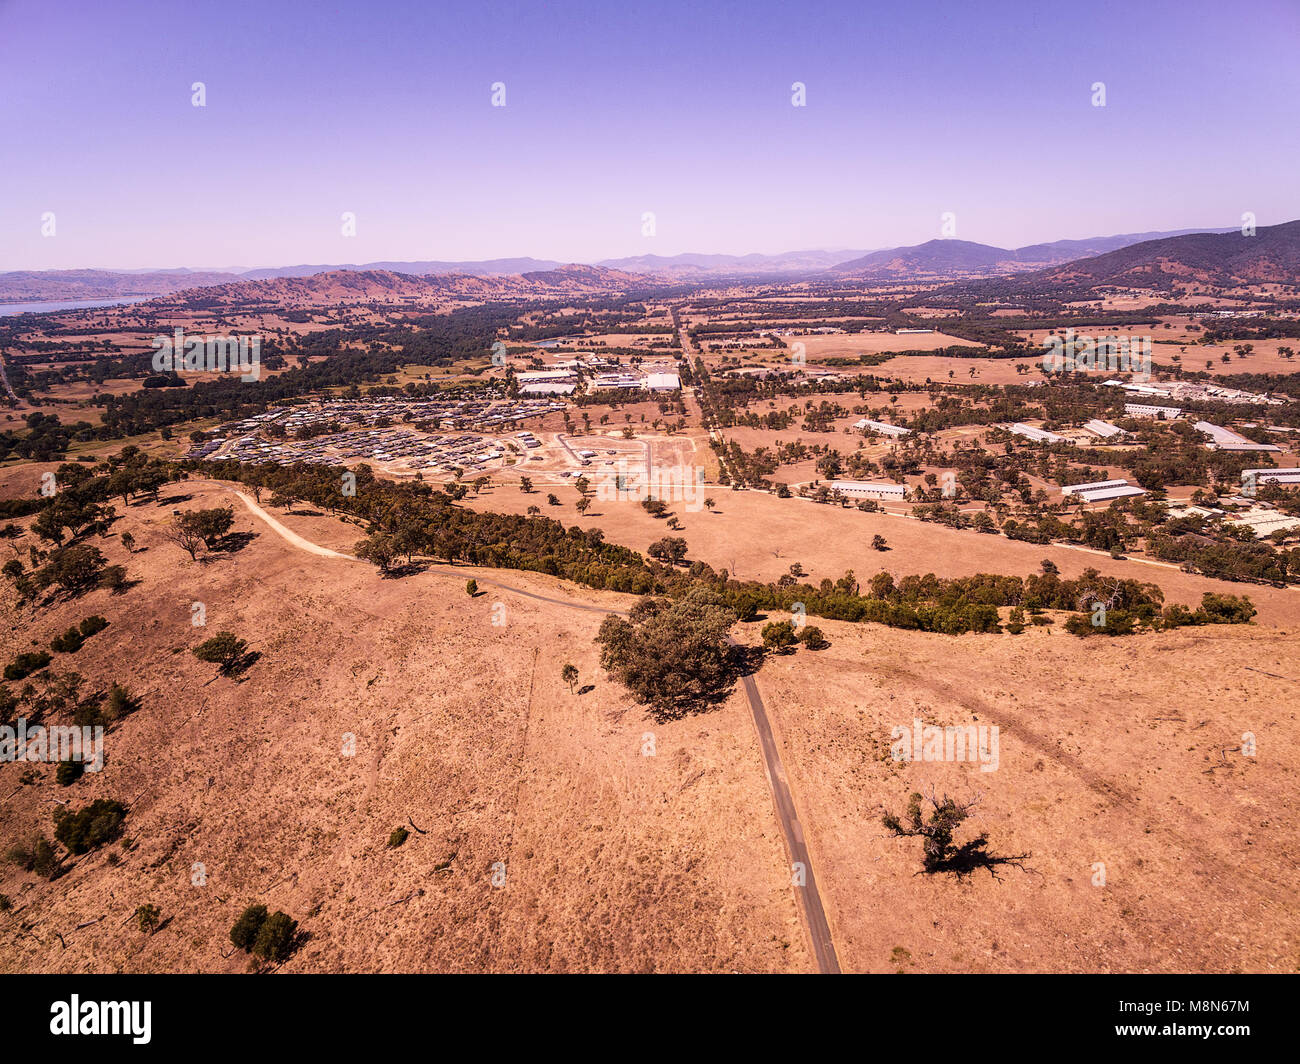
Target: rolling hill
[[1272, 255], [951, 259], [1123, 258], [339, 287]]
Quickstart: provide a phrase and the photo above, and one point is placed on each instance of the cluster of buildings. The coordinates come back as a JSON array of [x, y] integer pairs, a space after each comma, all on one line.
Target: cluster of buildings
[[361, 430], [480, 412], [565, 378], [547, 382], [1093, 431], [655, 380], [467, 451], [1194, 391], [1263, 521]]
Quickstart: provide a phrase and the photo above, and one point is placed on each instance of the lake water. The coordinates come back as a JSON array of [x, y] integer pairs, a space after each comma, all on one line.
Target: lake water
[[6, 309]]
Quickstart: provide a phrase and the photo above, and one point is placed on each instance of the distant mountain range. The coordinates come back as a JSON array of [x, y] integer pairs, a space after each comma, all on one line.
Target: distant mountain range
[[342, 286], [1225, 259], [34, 286], [1225, 255], [692, 265], [952, 259], [482, 268]]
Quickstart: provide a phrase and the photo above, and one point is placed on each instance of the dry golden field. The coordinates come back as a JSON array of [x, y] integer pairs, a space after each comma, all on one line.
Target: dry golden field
[[1123, 753]]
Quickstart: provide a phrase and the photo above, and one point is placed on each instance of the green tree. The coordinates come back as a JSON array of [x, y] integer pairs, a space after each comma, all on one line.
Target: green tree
[[76, 568], [148, 917], [87, 828], [210, 526], [779, 635], [379, 549], [245, 930], [275, 938], [811, 636], [676, 658], [671, 550], [225, 649]]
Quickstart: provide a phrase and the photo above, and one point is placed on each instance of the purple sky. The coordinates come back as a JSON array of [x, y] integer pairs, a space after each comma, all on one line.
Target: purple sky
[[614, 109]]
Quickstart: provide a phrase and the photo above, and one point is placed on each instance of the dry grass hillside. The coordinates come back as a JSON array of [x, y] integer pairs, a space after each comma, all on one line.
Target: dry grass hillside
[[1122, 752], [614, 861]]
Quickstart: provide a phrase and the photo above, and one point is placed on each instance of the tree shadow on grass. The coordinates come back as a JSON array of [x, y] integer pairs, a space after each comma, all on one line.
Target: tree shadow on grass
[[405, 569], [971, 856], [240, 665], [232, 543]]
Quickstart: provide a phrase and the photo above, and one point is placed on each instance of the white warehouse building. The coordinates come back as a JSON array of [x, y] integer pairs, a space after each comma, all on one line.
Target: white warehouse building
[[1278, 476], [1102, 490], [1037, 435], [880, 426], [1104, 429], [1147, 410], [663, 382], [1222, 439], [868, 489]]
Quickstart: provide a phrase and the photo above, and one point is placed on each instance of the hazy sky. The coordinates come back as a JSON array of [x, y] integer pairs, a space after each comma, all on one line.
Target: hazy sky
[[615, 108]]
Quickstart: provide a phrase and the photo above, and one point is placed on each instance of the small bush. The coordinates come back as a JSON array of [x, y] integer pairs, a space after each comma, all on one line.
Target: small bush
[[68, 643], [399, 836], [225, 649], [777, 635], [148, 917], [813, 638], [99, 711], [69, 772], [275, 939], [22, 854], [93, 625], [25, 664], [120, 702], [244, 933], [96, 824], [45, 862]]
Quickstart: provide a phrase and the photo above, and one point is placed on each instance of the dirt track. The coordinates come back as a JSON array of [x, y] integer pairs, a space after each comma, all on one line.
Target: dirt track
[[810, 902]]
